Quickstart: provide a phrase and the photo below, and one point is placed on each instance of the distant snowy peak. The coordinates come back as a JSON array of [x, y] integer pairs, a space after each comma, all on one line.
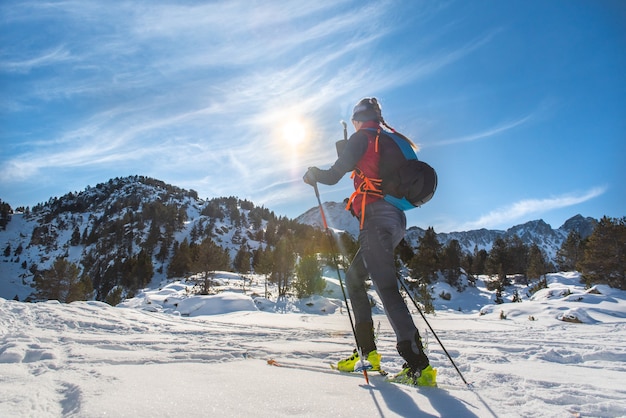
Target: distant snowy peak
[[337, 218], [584, 226], [532, 232], [117, 194]]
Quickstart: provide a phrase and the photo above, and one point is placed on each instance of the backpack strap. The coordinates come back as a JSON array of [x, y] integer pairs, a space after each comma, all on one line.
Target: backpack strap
[[368, 187]]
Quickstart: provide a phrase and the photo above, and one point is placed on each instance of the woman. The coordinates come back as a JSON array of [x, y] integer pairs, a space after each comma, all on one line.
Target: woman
[[382, 228]]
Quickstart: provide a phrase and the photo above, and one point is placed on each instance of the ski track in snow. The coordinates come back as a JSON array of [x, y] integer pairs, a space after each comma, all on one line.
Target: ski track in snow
[[91, 359]]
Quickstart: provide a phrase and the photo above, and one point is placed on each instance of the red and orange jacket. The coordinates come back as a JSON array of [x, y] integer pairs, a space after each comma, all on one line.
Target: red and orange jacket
[[361, 155]]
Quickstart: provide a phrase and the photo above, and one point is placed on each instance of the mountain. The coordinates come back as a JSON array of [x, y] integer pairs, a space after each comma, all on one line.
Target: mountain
[[131, 231], [533, 232], [124, 229], [337, 218], [538, 232]]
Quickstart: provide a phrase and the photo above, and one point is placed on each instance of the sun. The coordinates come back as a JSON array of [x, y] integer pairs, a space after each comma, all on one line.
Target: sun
[[294, 132]]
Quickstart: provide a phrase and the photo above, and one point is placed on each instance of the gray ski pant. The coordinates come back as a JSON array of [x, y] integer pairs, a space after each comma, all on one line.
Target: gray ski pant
[[383, 228]]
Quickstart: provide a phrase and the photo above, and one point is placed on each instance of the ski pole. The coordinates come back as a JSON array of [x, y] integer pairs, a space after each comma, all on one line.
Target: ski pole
[[343, 291], [433, 331], [333, 255]]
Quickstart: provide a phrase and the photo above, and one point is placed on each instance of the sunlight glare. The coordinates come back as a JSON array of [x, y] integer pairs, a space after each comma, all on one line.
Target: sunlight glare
[[294, 132]]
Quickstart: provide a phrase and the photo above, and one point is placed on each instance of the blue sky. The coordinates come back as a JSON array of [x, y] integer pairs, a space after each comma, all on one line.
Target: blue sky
[[519, 105]]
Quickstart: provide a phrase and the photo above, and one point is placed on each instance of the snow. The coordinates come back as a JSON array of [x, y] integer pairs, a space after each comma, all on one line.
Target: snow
[[168, 352]]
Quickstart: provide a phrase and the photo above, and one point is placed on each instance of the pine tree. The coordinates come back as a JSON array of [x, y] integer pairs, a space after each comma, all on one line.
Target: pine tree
[[309, 279], [241, 263], [264, 264], [480, 260], [404, 251], [163, 252], [283, 261], [451, 263], [143, 269], [518, 255], [75, 240], [571, 252], [425, 298], [207, 258], [537, 265], [5, 214], [498, 261], [604, 260], [114, 297], [154, 234], [426, 263], [180, 264], [61, 282]]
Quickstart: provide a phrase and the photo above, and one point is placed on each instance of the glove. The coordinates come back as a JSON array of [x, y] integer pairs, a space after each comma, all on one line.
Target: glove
[[310, 177]]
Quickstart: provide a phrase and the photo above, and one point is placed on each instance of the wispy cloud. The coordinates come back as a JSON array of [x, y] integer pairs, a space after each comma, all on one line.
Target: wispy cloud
[[54, 56], [193, 92], [506, 216], [490, 132]]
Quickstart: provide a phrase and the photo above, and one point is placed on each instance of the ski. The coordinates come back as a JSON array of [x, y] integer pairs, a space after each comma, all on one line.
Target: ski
[[359, 370], [298, 366], [333, 368], [399, 379]]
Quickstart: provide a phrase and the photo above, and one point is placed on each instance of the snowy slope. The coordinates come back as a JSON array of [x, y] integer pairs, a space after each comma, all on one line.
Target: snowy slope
[[167, 354], [12, 274], [113, 222]]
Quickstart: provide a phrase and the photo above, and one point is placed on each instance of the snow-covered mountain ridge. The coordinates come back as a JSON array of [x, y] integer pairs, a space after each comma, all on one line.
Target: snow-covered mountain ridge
[[533, 232], [105, 229]]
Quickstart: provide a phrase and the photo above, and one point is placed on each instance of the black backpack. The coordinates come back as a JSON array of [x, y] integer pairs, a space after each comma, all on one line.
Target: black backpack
[[407, 182]]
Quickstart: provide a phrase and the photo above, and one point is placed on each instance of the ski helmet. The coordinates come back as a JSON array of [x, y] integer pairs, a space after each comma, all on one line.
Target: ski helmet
[[367, 109]]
